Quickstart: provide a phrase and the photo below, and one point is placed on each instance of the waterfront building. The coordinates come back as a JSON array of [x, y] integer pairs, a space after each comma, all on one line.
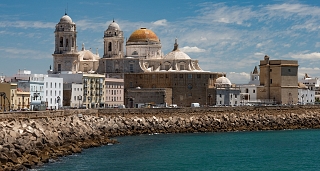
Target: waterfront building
[[93, 88], [11, 99], [145, 66], [305, 94], [148, 97], [114, 92], [278, 81], [45, 91], [312, 84], [73, 94], [226, 94]]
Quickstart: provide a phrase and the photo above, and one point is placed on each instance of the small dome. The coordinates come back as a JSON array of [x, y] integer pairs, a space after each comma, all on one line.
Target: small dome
[[177, 54], [223, 81], [66, 19], [114, 26], [143, 35]]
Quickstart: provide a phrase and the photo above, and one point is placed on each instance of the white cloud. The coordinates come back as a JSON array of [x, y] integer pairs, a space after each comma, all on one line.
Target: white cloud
[[27, 24], [220, 13], [312, 72], [238, 78], [23, 53], [192, 49], [299, 9], [259, 54], [259, 45], [162, 22], [310, 56]]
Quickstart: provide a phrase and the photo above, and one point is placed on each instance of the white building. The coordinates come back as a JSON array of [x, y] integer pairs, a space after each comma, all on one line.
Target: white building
[[73, 95], [114, 95], [226, 93], [53, 92], [313, 84], [45, 91], [305, 95], [248, 94]]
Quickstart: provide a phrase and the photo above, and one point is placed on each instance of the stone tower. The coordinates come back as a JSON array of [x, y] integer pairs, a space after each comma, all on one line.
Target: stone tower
[[113, 41], [65, 52]]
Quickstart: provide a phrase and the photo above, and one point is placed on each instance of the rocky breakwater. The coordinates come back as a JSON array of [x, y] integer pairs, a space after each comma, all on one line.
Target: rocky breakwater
[[210, 122], [25, 143]]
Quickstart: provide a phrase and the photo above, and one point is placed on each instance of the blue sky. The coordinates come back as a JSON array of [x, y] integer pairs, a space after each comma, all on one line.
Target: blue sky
[[230, 37]]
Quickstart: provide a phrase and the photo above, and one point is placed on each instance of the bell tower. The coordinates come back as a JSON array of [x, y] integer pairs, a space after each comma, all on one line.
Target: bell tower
[[65, 36], [65, 54], [113, 42]]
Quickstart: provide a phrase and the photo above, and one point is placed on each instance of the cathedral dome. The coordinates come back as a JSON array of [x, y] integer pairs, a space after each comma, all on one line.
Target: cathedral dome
[[114, 26], [65, 19], [223, 81], [143, 35], [176, 53]]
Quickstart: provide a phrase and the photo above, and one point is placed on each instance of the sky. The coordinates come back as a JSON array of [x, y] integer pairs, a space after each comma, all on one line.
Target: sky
[[225, 36]]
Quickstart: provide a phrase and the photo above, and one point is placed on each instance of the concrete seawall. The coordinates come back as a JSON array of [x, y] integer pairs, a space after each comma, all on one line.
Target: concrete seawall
[[32, 138]]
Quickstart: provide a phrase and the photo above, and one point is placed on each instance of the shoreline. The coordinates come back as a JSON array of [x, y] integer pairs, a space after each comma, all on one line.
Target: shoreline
[[26, 142]]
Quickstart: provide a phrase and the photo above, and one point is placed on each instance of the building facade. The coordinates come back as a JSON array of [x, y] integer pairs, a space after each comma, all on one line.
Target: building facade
[[278, 81], [114, 96]]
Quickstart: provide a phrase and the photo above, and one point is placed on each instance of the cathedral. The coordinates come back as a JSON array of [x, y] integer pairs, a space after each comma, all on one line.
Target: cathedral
[[142, 65]]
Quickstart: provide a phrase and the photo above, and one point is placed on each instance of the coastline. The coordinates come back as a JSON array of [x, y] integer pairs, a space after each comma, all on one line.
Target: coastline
[[28, 139]]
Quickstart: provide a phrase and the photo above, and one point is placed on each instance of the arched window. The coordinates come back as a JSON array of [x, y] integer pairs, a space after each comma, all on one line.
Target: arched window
[[110, 46], [67, 42], [135, 53], [61, 41]]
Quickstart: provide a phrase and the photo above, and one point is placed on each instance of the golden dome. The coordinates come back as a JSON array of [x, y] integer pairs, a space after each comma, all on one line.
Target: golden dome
[[143, 35]]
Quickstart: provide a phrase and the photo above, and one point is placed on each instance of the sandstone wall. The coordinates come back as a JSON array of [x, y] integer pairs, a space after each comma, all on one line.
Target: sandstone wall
[[31, 138]]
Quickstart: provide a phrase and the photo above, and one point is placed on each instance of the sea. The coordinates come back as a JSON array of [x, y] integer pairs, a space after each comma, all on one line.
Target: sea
[[281, 150]]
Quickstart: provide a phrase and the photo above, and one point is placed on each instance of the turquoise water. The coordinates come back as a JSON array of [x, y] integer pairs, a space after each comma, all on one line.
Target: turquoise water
[[262, 150]]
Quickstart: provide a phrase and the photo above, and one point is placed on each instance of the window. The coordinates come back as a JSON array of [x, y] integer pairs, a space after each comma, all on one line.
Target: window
[[220, 96], [167, 67], [109, 46], [190, 76], [270, 70], [181, 67], [135, 53], [270, 81], [254, 91], [289, 70], [51, 85], [131, 67], [59, 67], [61, 41], [75, 98]]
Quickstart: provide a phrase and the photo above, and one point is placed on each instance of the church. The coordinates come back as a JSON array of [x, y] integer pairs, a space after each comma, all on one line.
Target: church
[[142, 65]]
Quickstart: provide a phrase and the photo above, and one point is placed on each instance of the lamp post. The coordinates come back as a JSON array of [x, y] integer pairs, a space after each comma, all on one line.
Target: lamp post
[[58, 101]]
